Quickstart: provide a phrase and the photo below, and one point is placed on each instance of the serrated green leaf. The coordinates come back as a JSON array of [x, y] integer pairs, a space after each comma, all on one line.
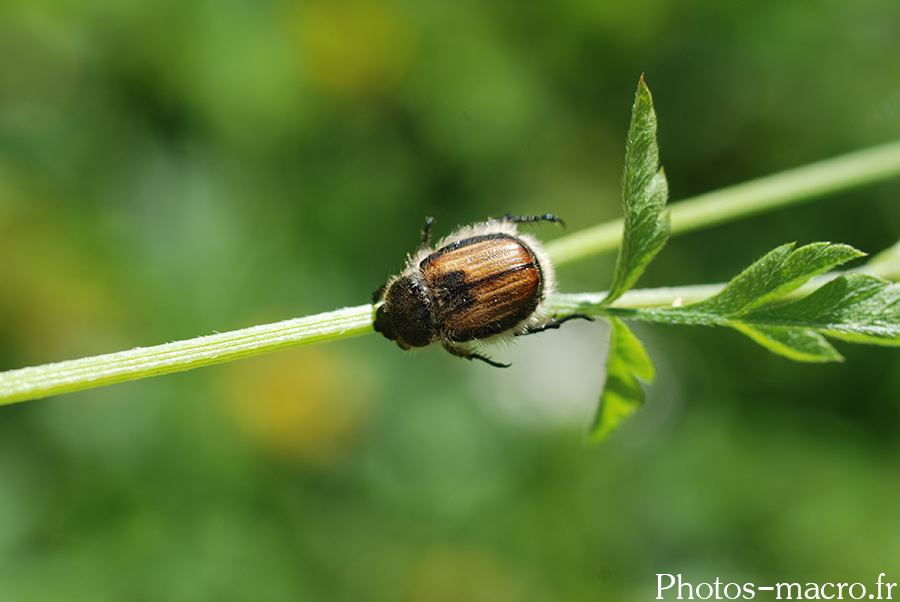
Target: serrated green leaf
[[854, 307], [777, 273], [798, 344], [626, 365], [644, 195]]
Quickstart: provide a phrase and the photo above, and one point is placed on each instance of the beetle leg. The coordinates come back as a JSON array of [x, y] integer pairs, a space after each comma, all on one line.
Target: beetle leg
[[470, 355], [555, 323], [548, 217]]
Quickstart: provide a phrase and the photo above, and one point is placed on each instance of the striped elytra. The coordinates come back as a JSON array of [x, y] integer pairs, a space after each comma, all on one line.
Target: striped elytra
[[482, 285]]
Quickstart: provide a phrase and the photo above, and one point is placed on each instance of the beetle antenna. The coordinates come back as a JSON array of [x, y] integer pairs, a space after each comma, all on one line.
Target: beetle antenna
[[426, 232]]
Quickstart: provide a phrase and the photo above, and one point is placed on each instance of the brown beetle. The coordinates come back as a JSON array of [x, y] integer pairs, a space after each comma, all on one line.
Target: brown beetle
[[483, 282]]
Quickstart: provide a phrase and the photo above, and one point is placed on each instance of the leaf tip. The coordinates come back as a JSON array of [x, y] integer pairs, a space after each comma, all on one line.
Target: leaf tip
[[642, 83], [643, 93]]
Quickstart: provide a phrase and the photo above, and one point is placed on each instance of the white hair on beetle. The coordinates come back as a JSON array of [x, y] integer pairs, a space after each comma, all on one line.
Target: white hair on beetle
[[499, 226], [430, 300]]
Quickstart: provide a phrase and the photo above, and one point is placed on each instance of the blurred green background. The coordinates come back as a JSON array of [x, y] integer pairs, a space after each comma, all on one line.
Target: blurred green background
[[169, 169]]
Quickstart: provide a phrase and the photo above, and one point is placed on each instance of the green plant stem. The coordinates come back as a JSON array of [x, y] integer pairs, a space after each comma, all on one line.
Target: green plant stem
[[794, 186], [592, 303], [142, 362], [756, 196]]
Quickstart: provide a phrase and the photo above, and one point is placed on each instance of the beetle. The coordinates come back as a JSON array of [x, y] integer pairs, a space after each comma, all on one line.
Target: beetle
[[482, 283]]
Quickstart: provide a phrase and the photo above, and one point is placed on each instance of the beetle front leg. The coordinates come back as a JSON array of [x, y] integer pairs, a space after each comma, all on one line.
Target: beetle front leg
[[471, 355], [554, 323]]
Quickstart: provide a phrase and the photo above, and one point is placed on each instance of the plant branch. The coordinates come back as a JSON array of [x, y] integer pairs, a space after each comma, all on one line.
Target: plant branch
[[143, 362], [789, 187]]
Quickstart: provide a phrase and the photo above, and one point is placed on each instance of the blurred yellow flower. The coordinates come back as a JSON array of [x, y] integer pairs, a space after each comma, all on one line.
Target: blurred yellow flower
[[307, 405], [351, 48]]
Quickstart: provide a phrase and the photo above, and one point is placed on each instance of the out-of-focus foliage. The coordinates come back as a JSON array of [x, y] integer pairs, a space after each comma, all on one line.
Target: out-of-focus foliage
[[168, 169]]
